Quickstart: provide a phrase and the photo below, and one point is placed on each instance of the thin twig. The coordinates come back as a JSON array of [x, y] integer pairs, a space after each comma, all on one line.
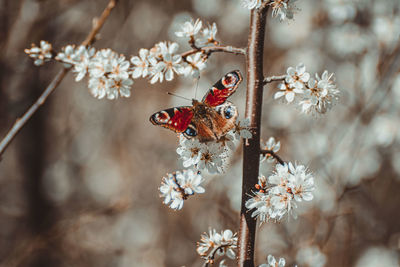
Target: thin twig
[[20, 122], [273, 154], [211, 49], [211, 256], [274, 79]]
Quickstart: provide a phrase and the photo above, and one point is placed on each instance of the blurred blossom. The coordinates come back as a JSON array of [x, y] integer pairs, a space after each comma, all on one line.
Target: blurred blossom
[[226, 241], [341, 10], [387, 30], [378, 256], [57, 181], [385, 129], [348, 40], [177, 187], [103, 180], [311, 256], [396, 164], [272, 262], [251, 4], [40, 53], [208, 8]]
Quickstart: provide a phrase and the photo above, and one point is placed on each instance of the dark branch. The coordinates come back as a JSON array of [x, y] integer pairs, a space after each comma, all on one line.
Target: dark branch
[[273, 154], [211, 256]]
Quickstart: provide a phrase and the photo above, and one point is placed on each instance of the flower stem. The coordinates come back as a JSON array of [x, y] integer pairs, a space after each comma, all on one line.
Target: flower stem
[[251, 149], [20, 122]]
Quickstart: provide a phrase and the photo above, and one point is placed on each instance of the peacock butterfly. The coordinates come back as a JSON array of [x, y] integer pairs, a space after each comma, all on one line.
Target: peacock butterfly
[[207, 120]]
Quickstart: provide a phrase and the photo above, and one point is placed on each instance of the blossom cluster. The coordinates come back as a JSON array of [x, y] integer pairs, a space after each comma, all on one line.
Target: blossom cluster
[[224, 243], [313, 95], [198, 156], [278, 194], [283, 9], [178, 186], [163, 60], [211, 156], [111, 75], [41, 53]]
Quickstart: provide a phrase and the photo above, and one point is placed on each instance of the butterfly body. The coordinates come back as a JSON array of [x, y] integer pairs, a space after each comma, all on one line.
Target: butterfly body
[[207, 120]]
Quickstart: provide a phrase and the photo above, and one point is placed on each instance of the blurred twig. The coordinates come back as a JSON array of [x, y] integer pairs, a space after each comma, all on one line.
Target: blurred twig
[[20, 122]]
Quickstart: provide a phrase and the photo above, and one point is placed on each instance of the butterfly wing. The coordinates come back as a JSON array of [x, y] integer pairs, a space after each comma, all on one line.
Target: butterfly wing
[[222, 89], [176, 119]]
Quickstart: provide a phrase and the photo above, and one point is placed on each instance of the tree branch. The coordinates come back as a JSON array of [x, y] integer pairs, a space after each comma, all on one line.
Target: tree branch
[[274, 79], [211, 256], [273, 154], [20, 122], [212, 49], [251, 149]]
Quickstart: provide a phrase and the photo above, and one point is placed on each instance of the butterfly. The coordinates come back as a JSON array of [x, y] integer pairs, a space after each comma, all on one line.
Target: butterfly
[[206, 120]]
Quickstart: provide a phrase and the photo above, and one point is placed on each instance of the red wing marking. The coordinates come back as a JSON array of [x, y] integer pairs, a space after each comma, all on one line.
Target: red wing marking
[[222, 89], [176, 119]]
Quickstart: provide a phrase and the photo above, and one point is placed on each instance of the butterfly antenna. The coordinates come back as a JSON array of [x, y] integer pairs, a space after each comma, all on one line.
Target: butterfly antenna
[[179, 96], [197, 86]]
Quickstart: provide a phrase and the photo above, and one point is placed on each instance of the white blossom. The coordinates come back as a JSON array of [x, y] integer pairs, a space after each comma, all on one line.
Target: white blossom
[[189, 28], [242, 129], [277, 195], [164, 62], [283, 9], [207, 36], [321, 94], [211, 156], [82, 59], [40, 53], [251, 4], [141, 64], [287, 91], [67, 55], [273, 263], [226, 241], [109, 75], [176, 187], [311, 256], [271, 145], [189, 150], [195, 64], [297, 77]]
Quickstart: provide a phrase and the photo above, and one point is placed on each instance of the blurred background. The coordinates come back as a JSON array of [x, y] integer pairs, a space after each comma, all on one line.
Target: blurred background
[[79, 184]]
